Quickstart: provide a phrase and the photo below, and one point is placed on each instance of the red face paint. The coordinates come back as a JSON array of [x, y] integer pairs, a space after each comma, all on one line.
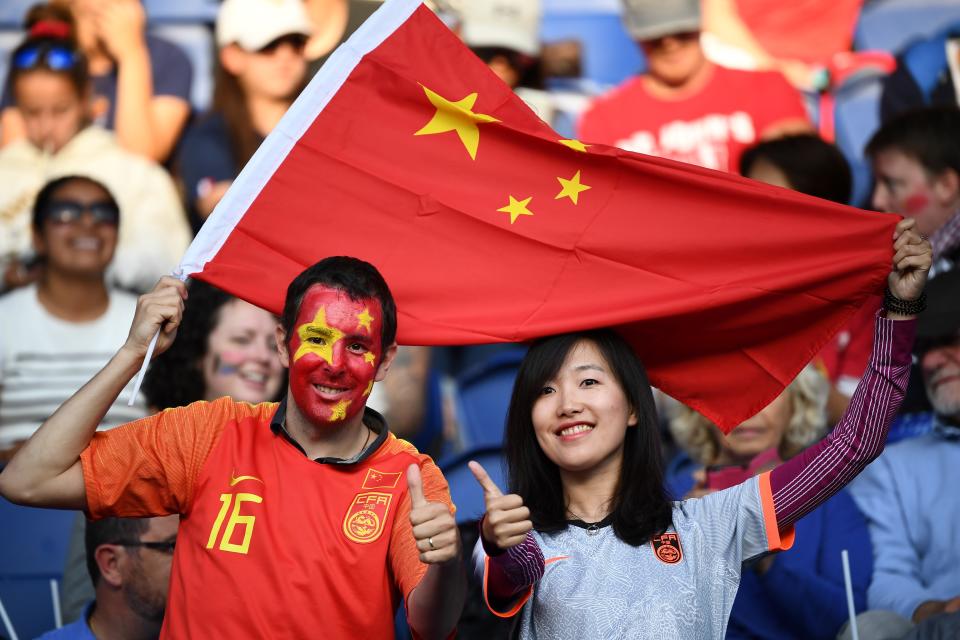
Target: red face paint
[[334, 354], [915, 204]]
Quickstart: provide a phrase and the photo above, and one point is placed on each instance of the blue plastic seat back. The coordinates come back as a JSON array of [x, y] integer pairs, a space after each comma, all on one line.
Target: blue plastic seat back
[[465, 491], [181, 11], [483, 396], [856, 118], [196, 41], [608, 54], [33, 549], [889, 25]]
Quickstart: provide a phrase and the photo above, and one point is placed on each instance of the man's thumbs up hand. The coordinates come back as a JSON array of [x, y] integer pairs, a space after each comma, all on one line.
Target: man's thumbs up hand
[[434, 528]]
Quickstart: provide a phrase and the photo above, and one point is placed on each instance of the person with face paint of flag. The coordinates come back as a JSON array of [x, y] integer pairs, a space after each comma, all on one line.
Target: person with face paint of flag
[[296, 516]]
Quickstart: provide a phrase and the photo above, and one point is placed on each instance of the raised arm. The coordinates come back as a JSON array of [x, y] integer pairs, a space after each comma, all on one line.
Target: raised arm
[[46, 471], [803, 483]]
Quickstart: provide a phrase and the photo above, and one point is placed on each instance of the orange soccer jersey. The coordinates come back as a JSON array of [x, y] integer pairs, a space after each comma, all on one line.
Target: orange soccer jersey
[[272, 544]]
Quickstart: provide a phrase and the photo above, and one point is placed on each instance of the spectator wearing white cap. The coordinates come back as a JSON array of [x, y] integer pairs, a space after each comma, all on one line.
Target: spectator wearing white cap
[[262, 69], [686, 107]]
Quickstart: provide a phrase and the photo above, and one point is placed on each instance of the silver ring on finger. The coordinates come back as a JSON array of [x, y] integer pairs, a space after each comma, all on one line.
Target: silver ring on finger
[[430, 542]]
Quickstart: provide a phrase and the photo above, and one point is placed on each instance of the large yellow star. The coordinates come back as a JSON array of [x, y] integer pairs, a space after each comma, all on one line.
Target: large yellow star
[[456, 116], [364, 319], [571, 188], [576, 145], [517, 208], [339, 411], [317, 337], [369, 358]]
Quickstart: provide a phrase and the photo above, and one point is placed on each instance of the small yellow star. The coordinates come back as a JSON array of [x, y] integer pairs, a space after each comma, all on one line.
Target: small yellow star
[[317, 337], [339, 411], [364, 319], [517, 208], [368, 389], [571, 188], [576, 145], [456, 116], [369, 358]]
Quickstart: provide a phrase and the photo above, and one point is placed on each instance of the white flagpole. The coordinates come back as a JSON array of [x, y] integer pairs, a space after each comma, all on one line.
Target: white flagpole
[[848, 584]]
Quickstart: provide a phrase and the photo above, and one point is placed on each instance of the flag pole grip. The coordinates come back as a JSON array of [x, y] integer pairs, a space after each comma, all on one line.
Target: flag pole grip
[[153, 345]]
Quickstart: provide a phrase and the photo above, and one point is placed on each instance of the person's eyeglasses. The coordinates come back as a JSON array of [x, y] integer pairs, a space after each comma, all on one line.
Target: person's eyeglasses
[[166, 546], [70, 212], [297, 42], [56, 58]]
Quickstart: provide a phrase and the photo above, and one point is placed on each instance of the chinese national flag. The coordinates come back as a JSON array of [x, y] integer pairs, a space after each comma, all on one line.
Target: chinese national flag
[[406, 151]]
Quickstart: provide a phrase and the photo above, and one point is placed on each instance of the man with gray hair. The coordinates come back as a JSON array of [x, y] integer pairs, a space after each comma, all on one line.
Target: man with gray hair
[[685, 107], [908, 495]]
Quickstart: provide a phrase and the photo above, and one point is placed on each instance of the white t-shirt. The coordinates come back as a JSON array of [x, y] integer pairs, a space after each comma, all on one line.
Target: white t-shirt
[[44, 360]]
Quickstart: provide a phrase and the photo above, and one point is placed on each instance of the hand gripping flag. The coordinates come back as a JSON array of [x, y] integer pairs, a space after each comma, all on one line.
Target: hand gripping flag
[[406, 151]]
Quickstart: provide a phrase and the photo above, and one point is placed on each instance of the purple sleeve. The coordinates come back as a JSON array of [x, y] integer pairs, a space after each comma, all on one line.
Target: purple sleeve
[[510, 572], [805, 481]]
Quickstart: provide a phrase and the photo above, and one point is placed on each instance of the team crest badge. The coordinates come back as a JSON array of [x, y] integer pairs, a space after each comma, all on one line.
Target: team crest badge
[[667, 548], [367, 516]]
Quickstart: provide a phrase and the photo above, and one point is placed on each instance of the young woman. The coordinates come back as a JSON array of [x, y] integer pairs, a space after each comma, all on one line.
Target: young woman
[[140, 83], [225, 347], [262, 69], [588, 545], [767, 603], [50, 83]]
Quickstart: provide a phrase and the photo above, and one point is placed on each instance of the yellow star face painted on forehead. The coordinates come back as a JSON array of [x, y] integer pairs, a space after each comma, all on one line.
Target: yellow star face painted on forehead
[[364, 319], [317, 337]]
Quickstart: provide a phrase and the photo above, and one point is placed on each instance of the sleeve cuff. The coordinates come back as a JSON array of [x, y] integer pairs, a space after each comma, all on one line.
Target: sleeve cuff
[[777, 540]]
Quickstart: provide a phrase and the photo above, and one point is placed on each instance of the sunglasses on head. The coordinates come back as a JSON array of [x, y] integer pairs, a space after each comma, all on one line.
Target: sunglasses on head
[[52, 57], [296, 40], [166, 546], [70, 212]]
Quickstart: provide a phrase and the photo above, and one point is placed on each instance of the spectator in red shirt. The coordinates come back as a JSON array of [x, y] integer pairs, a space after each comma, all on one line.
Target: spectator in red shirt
[[686, 107]]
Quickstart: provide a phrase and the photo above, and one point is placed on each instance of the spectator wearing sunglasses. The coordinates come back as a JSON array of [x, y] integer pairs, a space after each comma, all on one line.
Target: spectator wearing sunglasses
[[60, 330], [262, 69], [50, 84], [140, 83], [129, 562]]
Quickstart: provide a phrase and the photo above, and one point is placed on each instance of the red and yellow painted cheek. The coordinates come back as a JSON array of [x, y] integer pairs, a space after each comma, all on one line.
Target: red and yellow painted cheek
[[318, 328]]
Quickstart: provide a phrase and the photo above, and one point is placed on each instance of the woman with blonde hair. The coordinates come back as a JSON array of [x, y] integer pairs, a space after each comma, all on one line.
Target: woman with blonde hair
[[797, 593]]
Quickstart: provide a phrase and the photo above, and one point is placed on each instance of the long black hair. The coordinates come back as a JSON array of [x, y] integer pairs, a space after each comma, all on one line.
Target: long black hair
[[641, 508]]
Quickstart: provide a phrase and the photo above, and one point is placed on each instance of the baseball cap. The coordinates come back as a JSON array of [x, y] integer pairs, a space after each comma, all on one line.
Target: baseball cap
[[941, 319], [511, 24], [652, 19], [253, 24]]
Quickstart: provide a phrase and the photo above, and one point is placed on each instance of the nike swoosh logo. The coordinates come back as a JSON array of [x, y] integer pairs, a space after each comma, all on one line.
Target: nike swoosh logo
[[550, 561], [234, 480]]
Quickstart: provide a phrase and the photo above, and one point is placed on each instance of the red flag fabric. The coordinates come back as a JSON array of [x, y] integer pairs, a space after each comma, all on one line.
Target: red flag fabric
[[406, 151]]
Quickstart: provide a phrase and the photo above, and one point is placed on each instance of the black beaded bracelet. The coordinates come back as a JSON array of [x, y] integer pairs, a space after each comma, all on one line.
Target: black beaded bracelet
[[904, 307]]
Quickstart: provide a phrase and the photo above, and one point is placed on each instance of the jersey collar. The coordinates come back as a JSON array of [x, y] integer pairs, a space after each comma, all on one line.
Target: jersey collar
[[373, 421]]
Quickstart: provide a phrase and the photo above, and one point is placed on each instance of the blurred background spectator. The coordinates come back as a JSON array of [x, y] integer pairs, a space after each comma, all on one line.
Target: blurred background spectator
[[262, 69], [332, 22], [128, 560], [140, 83], [797, 593], [58, 332], [50, 86], [686, 107], [914, 526]]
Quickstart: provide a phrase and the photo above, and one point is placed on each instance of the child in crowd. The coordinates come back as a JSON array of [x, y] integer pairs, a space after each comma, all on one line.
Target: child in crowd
[[50, 83], [589, 545], [140, 83]]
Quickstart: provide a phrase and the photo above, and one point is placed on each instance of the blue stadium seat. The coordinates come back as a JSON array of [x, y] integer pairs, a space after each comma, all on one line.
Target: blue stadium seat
[[12, 13], [856, 118], [465, 491], [196, 40], [33, 549], [9, 39], [483, 395], [890, 25], [609, 55], [181, 11]]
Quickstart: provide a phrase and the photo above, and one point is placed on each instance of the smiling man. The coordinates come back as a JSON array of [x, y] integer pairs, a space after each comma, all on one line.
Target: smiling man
[[296, 517]]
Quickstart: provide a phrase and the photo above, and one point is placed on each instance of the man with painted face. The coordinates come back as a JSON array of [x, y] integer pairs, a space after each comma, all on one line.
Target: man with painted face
[[297, 518]]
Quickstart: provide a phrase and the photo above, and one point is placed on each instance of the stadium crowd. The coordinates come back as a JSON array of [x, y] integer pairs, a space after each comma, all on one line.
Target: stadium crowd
[[112, 160]]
